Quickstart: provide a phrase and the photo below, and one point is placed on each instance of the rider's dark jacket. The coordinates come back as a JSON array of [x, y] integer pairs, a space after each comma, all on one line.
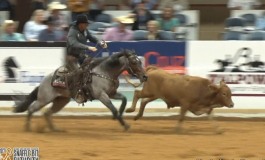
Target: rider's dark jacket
[[77, 41]]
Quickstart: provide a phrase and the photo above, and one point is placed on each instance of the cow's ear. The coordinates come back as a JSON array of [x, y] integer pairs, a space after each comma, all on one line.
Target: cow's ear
[[222, 83], [213, 87]]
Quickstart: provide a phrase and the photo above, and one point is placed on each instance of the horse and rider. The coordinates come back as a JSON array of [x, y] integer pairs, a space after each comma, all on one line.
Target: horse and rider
[[76, 54], [81, 74]]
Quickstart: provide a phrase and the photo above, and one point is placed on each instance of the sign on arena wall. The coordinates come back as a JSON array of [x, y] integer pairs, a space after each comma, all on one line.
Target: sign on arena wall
[[169, 55], [240, 63], [22, 68]]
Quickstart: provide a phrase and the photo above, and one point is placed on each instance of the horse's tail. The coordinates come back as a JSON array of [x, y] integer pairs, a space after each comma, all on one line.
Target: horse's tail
[[22, 106]]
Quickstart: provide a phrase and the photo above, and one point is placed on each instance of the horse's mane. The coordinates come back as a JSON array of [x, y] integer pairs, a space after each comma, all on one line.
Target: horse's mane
[[114, 59]]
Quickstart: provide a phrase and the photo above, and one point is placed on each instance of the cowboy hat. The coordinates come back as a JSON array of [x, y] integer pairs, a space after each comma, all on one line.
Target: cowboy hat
[[82, 18], [56, 6], [125, 19]]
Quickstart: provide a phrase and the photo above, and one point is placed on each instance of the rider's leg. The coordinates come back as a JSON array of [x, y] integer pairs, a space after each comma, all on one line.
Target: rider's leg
[[73, 65]]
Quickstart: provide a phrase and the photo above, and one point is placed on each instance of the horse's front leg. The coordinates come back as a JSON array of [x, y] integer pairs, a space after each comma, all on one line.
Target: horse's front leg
[[119, 96], [104, 98]]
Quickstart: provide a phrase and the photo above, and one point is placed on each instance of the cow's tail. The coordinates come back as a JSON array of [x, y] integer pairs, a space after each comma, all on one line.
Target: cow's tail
[[23, 105], [150, 68], [135, 85]]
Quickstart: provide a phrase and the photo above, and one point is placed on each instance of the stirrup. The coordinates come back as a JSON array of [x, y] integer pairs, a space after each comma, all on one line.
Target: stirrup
[[79, 98]]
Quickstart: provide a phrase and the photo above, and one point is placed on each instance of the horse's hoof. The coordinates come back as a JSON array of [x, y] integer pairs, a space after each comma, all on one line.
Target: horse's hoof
[[136, 118], [127, 127], [180, 130], [219, 131], [57, 130], [129, 110], [27, 129]]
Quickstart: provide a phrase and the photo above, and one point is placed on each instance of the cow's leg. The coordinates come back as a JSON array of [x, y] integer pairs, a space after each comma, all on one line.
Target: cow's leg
[[142, 107], [136, 96], [215, 125], [183, 111]]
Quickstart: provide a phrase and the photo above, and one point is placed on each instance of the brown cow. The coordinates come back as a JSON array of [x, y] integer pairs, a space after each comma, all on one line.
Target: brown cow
[[195, 94]]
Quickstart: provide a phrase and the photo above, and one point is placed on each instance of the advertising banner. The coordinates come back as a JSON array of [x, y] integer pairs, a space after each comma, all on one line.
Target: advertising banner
[[169, 55], [24, 67], [240, 63]]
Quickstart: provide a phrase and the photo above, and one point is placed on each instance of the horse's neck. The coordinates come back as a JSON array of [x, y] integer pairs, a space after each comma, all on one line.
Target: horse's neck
[[111, 71]]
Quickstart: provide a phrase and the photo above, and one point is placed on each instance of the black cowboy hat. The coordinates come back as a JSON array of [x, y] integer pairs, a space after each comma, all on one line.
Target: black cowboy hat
[[82, 19]]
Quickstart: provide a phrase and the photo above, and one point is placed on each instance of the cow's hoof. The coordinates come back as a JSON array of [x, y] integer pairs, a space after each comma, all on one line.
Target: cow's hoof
[[129, 110]]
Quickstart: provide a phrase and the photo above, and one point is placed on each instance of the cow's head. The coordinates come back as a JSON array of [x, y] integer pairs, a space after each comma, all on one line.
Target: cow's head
[[224, 94]]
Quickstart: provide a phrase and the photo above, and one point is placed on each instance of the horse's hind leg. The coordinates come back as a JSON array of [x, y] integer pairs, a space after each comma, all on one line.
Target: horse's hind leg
[[36, 106], [104, 98], [57, 105]]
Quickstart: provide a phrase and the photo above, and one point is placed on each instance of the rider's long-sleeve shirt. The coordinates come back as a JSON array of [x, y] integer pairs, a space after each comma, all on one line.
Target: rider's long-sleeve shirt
[[77, 41]]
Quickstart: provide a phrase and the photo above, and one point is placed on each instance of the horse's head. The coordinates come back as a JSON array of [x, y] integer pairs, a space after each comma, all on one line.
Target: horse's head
[[134, 65]]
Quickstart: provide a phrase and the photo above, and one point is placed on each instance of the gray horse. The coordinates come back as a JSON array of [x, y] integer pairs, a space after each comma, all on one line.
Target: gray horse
[[103, 87]]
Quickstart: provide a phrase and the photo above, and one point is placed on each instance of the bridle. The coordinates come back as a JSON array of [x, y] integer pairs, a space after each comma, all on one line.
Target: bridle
[[130, 63]]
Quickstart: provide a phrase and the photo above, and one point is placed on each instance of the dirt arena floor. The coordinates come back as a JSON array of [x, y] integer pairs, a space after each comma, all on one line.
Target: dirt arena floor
[[101, 138]]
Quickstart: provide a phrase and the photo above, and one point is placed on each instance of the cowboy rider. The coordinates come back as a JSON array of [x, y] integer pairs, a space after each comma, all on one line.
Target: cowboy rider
[[77, 46]]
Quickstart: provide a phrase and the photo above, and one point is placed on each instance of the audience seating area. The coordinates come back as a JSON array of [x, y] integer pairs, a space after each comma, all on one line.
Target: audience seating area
[[242, 25]]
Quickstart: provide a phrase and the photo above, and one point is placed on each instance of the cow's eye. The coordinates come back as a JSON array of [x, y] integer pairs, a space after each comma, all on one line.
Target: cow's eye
[[224, 94]]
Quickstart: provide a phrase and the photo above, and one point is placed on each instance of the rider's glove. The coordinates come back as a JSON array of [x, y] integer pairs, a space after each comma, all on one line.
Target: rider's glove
[[103, 44]]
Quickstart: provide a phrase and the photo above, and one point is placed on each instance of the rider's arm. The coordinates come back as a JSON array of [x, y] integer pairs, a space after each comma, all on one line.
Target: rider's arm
[[91, 38]]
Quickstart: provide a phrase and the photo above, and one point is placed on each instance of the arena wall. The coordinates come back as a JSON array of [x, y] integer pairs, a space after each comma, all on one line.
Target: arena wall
[[35, 60]]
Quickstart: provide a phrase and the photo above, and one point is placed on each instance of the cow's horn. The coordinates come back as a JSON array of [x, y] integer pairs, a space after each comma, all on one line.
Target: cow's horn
[[135, 85]]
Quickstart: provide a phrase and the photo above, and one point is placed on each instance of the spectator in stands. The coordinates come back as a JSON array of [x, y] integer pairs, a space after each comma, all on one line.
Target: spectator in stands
[[33, 27], [149, 4], [95, 8], [49, 33], [60, 22], [243, 4], [153, 30], [178, 5], [141, 16], [9, 32], [260, 22], [167, 21], [119, 32], [78, 7]]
